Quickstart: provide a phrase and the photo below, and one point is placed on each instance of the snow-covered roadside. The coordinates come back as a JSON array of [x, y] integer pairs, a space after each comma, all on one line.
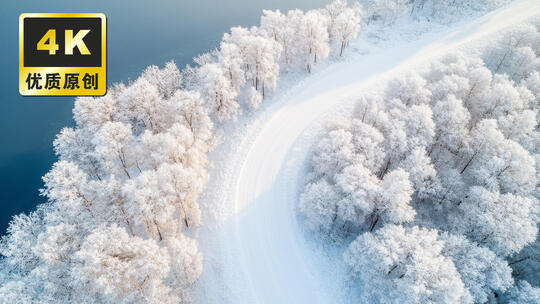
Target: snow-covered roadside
[[257, 253]]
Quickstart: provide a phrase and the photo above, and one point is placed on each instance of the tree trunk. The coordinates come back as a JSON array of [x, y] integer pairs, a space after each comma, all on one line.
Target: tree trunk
[[373, 223], [127, 221], [468, 163], [158, 230], [392, 269], [385, 169], [520, 260]]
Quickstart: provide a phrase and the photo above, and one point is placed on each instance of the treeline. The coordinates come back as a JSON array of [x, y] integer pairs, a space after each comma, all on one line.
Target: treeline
[[121, 211], [437, 179], [441, 11], [122, 200], [245, 68]]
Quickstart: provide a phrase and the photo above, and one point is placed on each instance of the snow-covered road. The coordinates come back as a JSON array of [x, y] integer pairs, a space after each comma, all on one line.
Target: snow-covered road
[[260, 254]]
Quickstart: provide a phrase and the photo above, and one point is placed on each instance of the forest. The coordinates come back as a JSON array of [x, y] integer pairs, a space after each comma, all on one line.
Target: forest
[[432, 184]]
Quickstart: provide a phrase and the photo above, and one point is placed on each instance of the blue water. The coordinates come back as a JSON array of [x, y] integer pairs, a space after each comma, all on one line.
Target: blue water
[[140, 33]]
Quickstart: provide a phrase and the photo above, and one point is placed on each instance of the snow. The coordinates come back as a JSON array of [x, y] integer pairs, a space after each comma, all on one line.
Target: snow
[[259, 250]]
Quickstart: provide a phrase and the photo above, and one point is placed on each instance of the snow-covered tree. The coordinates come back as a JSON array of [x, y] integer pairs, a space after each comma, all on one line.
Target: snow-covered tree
[[450, 148], [333, 10], [284, 31], [319, 203], [410, 89], [251, 97], [260, 56], [452, 121], [440, 11], [395, 195], [404, 265], [481, 271], [122, 268], [167, 79], [120, 200], [359, 189], [314, 38], [217, 89], [231, 62], [526, 264], [383, 10], [344, 22], [503, 223], [334, 152], [515, 53], [522, 292], [422, 173], [368, 145]]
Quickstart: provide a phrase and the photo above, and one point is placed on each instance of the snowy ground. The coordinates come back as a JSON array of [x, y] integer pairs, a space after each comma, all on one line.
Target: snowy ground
[[257, 250]]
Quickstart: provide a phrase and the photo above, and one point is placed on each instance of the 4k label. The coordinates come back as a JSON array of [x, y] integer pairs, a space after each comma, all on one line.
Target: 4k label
[[62, 54]]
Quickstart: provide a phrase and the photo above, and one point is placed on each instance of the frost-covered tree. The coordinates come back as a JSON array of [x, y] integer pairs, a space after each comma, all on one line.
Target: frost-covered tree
[[450, 148], [522, 292], [502, 223], [368, 142], [217, 89], [231, 61], [120, 200], [260, 56], [526, 264], [422, 173], [118, 267], [359, 189], [334, 152], [440, 11], [481, 271], [411, 89], [404, 265], [333, 10], [314, 38], [395, 196], [452, 121], [343, 22], [384, 10], [516, 54], [285, 31], [319, 203], [167, 79]]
